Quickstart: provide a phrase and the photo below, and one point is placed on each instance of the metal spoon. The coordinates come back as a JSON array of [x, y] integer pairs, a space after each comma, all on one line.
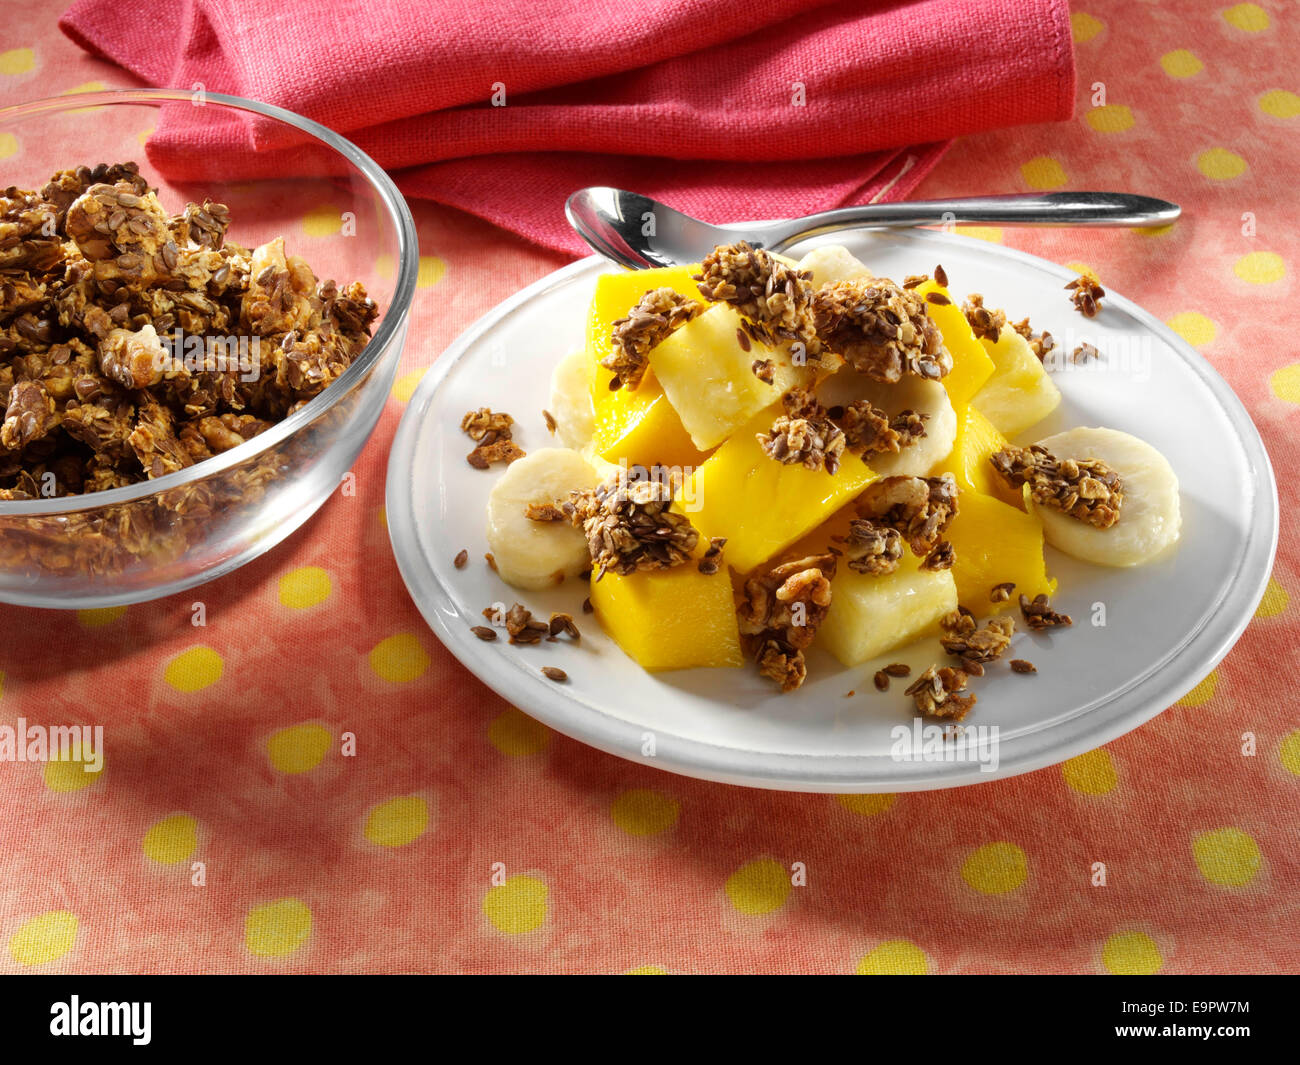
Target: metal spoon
[[639, 232]]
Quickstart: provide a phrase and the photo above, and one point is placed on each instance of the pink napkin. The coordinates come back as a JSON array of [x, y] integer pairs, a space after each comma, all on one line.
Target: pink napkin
[[754, 110]]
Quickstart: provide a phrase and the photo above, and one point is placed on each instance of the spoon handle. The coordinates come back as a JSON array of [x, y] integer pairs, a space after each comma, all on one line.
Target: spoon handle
[[1030, 209]]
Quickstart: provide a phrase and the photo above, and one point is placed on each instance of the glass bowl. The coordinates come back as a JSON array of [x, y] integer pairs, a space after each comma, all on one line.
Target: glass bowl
[[338, 211]]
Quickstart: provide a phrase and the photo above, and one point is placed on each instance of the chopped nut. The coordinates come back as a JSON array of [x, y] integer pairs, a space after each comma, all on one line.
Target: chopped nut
[[462, 556], [880, 329], [658, 314], [1019, 665], [773, 299], [555, 674], [1085, 489], [780, 613], [872, 548], [804, 435], [1000, 593], [544, 512], [484, 633], [963, 637], [918, 507], [1087, 295], [940, 692], [984, 323], [485, 455], [1039, 614], [629, 526], [941, 557]]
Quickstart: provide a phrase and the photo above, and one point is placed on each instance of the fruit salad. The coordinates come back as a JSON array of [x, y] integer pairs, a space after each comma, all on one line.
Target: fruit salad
[[756, 455]]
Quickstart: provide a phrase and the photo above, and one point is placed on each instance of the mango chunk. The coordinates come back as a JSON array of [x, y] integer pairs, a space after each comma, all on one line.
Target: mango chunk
[[760, 505], [872, 615], [976, 441], [615, 295], [677, 618], [1020, 393], [706, 371], [995, 543], [641, 428], [971, 365]]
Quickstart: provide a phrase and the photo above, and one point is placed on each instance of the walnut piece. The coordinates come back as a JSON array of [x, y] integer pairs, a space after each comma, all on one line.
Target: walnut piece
[[1085, 489], [780, 613], [920, 508]]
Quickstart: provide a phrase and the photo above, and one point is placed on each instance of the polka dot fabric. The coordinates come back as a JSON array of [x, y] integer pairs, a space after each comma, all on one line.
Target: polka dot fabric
[[309, 782]]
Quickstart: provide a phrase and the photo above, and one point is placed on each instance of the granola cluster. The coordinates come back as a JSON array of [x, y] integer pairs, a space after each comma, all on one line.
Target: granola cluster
[[1086, 295], [1085, 489], [870, 431], [775, 300], [629, 526], [1041, 344], [872, 548], [659, 312], [780, 613], [920, 508], [95, 276], [986, 324], [804, 435], [941, 692], [881, 329], [963, 637], [491, 432], [1039, 615]]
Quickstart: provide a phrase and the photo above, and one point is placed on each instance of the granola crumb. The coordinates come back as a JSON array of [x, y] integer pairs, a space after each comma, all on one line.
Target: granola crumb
[[544, 512], [937, 298], [555, 674], [986, 324], [549, 419], [764, 370], [941, 275], [711, 561], [1087, 295], [1041, 344], [898, 669], [484, 633], [1000, 593], [490, 559], [587, 608], [941, 557], [881, 680], [1019, 665], [1085, 352], [941, 692], [462, 557], [563, 623], [491, 430], [851, 693], [1038, 613], [963, 637], [972, 667]]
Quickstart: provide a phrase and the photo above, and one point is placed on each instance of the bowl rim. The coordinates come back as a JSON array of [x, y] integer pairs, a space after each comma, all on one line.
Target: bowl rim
[[390, 324]]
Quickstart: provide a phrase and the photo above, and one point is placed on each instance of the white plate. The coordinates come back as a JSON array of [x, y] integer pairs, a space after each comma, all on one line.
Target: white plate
[[1166, 624]]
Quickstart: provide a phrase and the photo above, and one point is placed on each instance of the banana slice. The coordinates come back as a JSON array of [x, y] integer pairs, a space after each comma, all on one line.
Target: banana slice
[[571, 399], [1150, 518], [832, 263], [911, 393], [537, 554]]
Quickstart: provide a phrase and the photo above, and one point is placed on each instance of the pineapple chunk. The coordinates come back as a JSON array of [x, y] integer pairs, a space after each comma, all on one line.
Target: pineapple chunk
[[831, 264], [976, 441], [615, 295], [760, 505], [995, 543], [642, 429], [1020, 393], [707, 374], [971, 365], [873, 615], [678, 618]]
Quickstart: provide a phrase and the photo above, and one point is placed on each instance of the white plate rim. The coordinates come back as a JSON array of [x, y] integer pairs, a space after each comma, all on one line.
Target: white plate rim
[[1117, 715]]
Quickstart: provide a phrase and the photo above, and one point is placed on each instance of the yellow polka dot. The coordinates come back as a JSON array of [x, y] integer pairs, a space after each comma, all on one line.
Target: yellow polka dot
[[89, 86], [404, 387], [383, 516], [1195, 328], [867, 805], [1220, 164], [1249, 17], [1085, 26], [1043, 172], [1180, 63], [647, 970], [171, 840], [17, 61], [641, 812], [298, 748], [1155, 231], [1112, 118], [1084, 269], [1280, 104], [384, 266], [398, 822], [431, 271], [758, 887], [517, 906], [515, 733], [8, 145], [277, 928], [322, 221], [144, 135], [993, 234], [1289, 753], [305, 587], [70, 774], [1226, 856], [1285, 383], [896, 957], [1203, 692], [1260, 267], [194, 670], [399, 659], [995, 868], [1090, 774], [1131, 954], [44, 938], [1274, 601], [100, 616]]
